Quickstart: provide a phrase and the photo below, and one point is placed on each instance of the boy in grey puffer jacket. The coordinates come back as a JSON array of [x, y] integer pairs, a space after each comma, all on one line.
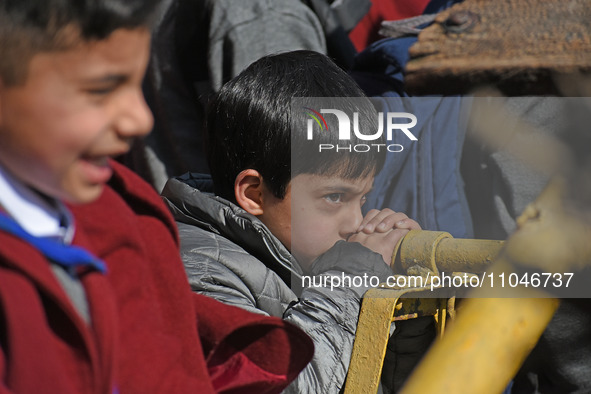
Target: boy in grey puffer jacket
[[270, 225]]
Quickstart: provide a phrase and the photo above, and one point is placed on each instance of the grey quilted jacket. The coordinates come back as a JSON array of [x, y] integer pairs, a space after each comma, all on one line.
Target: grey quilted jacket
[[231, 256]]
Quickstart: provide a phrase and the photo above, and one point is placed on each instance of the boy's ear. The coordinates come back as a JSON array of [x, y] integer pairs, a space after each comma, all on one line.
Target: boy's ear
[[248, 190]]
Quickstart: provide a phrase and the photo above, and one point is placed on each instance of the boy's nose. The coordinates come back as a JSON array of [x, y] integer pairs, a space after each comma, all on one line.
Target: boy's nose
[[351, 222], [135, 118]]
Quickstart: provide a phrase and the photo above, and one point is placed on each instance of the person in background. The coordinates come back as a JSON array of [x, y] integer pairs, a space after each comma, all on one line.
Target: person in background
[[198, 45]]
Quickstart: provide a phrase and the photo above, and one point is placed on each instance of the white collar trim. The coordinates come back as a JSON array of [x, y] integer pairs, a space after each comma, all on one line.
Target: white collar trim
[[39, 216]]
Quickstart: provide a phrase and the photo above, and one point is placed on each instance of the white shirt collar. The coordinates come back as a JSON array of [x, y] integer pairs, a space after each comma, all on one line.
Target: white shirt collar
[[41, 217]]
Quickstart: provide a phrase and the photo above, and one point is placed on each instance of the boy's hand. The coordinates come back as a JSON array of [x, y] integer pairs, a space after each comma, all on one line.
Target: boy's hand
[[380, 242], [385, 220], [381, 231]]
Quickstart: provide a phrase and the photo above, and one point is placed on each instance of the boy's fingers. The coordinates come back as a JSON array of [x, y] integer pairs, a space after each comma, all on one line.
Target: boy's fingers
[[371, 222], [407, 224], [393, 238], [382, 243], [396, 235], [389, 242], [387, 221], [367, 218]]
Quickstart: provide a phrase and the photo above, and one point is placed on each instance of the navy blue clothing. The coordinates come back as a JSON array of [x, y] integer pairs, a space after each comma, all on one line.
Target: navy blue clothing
[[423, 180]]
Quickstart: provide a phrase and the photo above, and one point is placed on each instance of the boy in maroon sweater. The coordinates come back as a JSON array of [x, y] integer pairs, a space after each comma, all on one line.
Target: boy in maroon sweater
[[93, 295]]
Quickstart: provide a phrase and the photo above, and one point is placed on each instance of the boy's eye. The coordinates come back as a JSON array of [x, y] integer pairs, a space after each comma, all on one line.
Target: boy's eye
[[103, 85], [334, 197], [100, 91]]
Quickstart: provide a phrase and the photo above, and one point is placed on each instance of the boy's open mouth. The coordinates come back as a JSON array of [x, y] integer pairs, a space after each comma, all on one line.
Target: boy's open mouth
[[96, 168], [100, 161]]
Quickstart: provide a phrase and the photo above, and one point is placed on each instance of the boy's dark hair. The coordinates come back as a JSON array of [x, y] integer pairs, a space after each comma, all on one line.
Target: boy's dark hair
[[28, 27], [250, 121]]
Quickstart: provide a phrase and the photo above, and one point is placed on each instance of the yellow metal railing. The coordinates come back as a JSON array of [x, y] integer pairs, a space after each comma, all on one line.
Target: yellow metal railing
[[381, 307], [419, 253], [491, 336]]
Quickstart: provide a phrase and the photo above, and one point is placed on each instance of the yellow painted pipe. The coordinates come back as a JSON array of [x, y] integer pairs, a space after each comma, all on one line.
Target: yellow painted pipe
[[466, 255], [484, 348], [422, 251]]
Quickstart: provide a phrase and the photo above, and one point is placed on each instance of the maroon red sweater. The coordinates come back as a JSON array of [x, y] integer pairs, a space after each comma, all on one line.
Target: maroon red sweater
[[149, 332]]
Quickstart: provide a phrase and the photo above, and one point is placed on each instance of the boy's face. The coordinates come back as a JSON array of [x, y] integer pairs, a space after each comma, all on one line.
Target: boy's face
[[316, 212], [77, 108]]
